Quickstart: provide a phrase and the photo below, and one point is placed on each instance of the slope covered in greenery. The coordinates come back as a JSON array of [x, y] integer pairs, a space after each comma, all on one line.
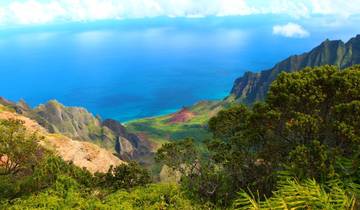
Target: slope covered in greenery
[[33, 177], [253, 87], [176, 126], [299, 149], [248, 89]]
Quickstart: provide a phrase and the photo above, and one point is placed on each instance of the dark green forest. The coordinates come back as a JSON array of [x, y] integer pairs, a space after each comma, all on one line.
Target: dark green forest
[[297, 149]]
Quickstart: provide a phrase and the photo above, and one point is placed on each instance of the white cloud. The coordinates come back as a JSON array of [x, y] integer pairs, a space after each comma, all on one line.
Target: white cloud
[[340, 8], [234, 7], [290, 30], [47, 11], [296, 9], [2, 16], [32, 11]]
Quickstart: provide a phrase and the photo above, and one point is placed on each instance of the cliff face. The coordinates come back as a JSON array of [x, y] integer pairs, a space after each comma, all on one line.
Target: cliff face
[[253, 86], [74, 122], [79, 124], [128, 145]]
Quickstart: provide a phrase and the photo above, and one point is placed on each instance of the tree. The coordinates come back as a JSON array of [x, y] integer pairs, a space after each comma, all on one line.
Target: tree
[[240, 136], [309, 118], [200, 176], [50, 168], [124, 176], [19, 149], [181, 156], [317, 105], [308, 127]]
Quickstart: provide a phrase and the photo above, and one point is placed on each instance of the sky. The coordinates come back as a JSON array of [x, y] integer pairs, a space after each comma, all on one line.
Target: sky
[[17, 13], [47, 11]]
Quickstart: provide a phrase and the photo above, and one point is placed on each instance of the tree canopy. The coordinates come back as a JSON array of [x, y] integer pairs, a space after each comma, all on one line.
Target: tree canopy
[[307, 128]]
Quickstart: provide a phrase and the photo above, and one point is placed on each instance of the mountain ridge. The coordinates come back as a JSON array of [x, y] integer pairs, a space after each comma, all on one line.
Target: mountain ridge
[[79, 124], [252, 87]]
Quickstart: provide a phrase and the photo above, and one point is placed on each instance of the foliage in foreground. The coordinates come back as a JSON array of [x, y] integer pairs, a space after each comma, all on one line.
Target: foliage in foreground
[[307, 194], [32, 177], [309, 127], [67, 194]]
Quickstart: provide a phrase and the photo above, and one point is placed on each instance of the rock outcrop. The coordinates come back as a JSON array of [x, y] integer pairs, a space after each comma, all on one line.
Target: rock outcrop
[[253, 86], [74, 122], [128, 145], [78, 123]]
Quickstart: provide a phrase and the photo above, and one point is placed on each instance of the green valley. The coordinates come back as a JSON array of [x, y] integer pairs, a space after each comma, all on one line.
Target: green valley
[[187, 122]]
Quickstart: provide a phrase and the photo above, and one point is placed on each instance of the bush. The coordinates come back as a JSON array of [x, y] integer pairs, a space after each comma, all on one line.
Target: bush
[[310, 120], [124, 176], [155, 196]]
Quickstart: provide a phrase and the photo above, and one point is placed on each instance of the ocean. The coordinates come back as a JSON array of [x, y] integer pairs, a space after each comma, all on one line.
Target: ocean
[[130, 69]]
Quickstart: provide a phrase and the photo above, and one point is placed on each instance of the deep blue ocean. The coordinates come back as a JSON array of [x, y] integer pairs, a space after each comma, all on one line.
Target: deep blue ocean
[[138, 68]]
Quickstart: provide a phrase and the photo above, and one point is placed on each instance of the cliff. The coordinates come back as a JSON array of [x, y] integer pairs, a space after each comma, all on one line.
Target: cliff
[[253, 87], [79, 124]]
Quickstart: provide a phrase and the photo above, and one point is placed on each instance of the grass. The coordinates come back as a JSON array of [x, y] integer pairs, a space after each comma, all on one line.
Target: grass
[[158, 129]]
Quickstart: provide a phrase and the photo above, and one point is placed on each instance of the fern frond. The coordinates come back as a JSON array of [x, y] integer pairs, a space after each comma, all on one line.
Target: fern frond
[[293, 194]]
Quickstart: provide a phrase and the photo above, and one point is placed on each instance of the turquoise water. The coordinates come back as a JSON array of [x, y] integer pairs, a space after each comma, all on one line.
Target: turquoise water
[[139, 68]]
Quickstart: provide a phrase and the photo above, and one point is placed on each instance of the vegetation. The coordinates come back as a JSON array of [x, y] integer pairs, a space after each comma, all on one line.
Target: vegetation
[[124, 177], [302, 139], [159, 130], [305, 195], [299, 149], [17, 149], [67, 194], [34, 178]]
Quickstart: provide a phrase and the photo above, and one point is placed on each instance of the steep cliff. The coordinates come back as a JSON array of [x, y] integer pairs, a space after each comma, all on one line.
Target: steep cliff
[[78, 123], [74, 122], [253, 87], [129, 145]]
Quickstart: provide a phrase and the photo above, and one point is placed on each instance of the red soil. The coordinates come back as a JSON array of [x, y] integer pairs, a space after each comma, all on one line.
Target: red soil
[[181, 116]]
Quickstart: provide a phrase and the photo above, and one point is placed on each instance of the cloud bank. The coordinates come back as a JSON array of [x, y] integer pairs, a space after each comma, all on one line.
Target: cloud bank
[[24, 12], [290, 30]]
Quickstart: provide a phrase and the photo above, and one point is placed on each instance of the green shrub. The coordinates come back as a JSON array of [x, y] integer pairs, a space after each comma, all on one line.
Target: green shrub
[[124, 176], [155, 196], [303, 195]]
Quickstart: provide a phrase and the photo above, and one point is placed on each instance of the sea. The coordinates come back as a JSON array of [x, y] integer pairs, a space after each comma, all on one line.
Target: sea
[[131, 69]]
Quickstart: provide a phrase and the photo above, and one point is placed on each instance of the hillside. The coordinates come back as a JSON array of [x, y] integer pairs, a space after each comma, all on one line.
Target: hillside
[[191, 121], [79, 124], [187, 122], [82, 154], [253, 87]]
